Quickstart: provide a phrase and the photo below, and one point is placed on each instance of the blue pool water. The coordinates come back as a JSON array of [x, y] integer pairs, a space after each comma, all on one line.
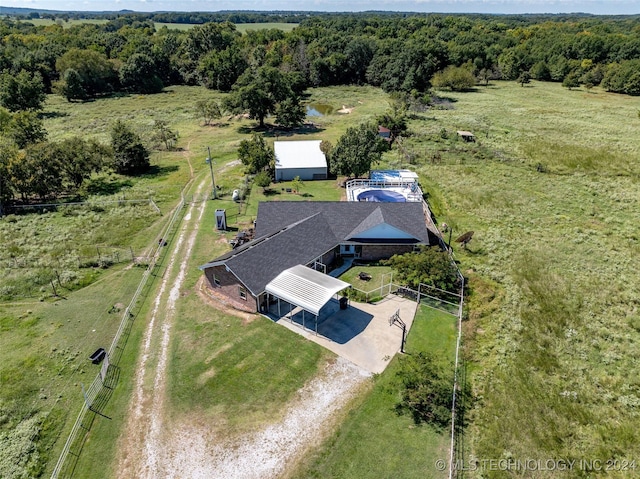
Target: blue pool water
[[382, 196]]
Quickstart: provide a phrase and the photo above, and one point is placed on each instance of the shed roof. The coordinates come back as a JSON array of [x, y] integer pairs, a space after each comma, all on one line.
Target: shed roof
[[464, 133], [305, 287], [299, 154]]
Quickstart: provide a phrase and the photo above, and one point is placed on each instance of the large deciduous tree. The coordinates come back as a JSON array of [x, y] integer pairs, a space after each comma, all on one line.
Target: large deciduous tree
[[71, 87], [130, 157], [139, 74], [290, 112], [219, 70], [24, 91], [454, 78], [96, 73], [44, 178], [256, 155], [26, 128], [8, 151], [77, 159], [260, 91], [201, 40], [357, 150]]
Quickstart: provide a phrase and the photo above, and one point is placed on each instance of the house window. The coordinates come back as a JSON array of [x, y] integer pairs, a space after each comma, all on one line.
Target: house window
[[216, 281], [242, 293]]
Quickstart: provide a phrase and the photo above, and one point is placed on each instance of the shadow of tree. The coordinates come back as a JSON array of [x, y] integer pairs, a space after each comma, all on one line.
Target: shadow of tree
[[155, 171], [272, 131], [47, 115], [106, 185]]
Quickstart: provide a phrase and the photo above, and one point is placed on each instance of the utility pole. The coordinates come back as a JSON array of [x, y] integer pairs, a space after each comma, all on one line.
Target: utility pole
[[213, 182]]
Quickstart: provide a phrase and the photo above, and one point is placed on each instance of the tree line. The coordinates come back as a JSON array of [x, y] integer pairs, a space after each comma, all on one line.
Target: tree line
[[393, 51]]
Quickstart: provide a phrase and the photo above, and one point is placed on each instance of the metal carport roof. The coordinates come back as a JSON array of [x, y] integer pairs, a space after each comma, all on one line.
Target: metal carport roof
[[305, 287]]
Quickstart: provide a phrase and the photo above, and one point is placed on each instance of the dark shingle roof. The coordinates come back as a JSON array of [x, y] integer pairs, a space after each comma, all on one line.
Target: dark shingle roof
[[343, 216], [296, 232]]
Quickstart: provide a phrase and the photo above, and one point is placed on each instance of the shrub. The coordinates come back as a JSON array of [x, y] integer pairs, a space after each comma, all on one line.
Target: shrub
[[454, 78], [430, 266], [426, 392]]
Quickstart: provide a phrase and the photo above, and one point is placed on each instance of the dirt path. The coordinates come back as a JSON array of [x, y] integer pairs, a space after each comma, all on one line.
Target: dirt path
[[143, 426], [151, 448]]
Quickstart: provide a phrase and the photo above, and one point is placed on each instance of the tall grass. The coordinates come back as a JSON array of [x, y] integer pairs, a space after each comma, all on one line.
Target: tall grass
[[551, 190]]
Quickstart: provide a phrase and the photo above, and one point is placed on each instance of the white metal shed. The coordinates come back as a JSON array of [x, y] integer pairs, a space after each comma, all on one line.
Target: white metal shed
[[300, 158]]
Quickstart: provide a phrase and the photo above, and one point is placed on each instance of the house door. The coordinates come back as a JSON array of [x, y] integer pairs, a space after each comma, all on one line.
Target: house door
[[347, 249]]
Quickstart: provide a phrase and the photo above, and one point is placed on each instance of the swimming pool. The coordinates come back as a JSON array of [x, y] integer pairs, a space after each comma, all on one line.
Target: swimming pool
[[382, 196]]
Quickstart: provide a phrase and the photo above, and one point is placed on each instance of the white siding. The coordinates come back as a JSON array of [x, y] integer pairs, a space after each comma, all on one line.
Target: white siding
[[287, 174]]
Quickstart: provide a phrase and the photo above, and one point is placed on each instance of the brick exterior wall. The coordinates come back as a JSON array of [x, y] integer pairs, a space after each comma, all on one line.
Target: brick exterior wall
[[383, 251], [230, 288], [329, 257]]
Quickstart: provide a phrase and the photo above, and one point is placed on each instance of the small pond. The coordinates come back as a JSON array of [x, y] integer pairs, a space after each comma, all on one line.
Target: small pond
[[318, 109]]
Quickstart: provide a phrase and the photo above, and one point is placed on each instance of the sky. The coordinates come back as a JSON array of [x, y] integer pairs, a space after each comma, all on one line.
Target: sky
[[612, 7]]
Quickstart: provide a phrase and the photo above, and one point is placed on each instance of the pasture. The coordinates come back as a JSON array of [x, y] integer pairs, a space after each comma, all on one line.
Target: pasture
[[551, 190], [241, 27]]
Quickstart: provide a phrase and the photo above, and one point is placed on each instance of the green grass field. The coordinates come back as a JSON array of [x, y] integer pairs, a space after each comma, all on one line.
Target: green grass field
[[551, 190]]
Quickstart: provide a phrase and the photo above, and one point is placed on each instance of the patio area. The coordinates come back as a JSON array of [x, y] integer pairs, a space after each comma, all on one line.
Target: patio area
[[359, 333]]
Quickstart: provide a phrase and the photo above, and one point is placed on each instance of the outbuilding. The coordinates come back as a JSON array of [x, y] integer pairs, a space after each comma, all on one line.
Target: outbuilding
[[466, 135], [300, 158]]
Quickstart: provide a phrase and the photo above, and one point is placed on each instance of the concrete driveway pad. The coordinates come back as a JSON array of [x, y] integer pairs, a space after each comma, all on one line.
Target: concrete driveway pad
[[360, 333]]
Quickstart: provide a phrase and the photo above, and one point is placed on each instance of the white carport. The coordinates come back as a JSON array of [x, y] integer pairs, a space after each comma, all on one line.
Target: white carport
[[305, 288]]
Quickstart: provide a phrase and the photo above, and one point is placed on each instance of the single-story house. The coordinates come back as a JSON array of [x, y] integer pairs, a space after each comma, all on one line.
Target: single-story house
[[300, 158], [312, 233]]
